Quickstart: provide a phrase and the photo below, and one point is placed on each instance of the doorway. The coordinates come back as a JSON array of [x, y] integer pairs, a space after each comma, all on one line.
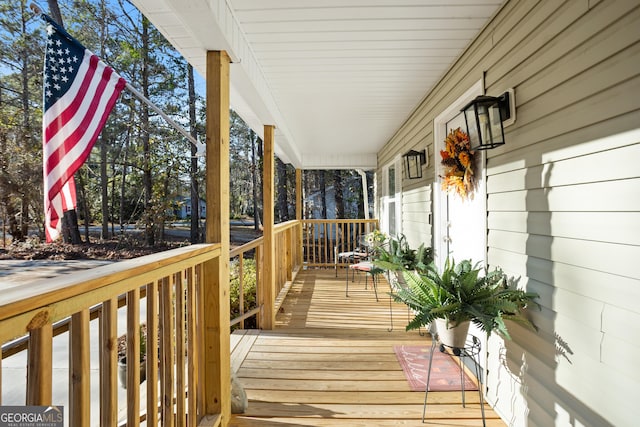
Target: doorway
[[460, 226]]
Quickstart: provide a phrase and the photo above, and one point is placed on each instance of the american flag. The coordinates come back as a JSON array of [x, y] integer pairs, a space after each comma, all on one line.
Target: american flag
[[79, 92]]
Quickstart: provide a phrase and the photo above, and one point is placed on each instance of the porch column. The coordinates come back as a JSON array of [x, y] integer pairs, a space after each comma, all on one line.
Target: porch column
[[215, 278], [269, 279], [299, 207]]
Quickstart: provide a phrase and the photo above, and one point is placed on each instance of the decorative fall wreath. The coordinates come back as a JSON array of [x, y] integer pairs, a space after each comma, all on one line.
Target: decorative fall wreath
[[459, 161]]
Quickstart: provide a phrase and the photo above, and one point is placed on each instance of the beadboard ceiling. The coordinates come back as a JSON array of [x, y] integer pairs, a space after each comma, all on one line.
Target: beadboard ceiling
[[337, 78]]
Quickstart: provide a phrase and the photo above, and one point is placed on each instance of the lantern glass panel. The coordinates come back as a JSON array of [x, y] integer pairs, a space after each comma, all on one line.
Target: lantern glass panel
[[484, 122], [413, 166], [495, 128], [472, 126]]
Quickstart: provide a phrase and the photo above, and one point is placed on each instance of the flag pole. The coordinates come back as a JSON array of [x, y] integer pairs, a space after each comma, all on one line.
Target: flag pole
[[155, 108]]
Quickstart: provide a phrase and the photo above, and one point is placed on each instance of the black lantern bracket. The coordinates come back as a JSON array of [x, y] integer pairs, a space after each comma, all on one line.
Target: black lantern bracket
[[413, 162], [508, 107]]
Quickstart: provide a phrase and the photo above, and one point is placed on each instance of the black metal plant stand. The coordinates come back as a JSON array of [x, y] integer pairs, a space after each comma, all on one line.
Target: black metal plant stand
[[470, 350]]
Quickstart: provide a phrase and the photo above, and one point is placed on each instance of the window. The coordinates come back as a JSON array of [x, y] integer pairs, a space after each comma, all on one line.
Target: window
[[391, 199]]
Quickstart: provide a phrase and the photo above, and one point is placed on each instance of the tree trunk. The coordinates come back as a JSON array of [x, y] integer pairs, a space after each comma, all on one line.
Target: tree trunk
[[125, 161], [260, 176], [85, 206], [195, 196], [144, 119], [281, 173], [104, 179], [323, 194], [54, 11], [337, 186], [104, 190], [254, 180]]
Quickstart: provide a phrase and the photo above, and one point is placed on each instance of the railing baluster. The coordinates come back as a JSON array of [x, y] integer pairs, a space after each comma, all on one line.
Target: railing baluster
[[39, 368], [108, 354], [167, 365], [152, 354], [79, 379], [259, 284], [180, 360], [133, 358], [192, 353], [241, 286]]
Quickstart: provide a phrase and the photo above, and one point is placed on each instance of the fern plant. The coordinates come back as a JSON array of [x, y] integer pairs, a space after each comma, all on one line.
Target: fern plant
[[461, 293], [397, 255]]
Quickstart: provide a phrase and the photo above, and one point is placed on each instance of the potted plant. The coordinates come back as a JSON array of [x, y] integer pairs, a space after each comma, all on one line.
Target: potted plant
[[122, 356], [460, 295], [398, 256]]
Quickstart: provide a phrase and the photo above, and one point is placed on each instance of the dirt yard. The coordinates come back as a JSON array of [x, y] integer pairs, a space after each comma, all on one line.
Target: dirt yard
[[129, 246]]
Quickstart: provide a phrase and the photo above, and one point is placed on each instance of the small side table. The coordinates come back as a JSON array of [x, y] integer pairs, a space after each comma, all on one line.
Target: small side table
[[470, 350]]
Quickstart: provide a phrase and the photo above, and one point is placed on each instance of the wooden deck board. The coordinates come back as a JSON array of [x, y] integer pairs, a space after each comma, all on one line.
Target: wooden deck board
[[330, 362]]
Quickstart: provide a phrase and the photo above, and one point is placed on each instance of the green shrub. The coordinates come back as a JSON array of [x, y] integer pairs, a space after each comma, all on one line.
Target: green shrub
[[249, 288]]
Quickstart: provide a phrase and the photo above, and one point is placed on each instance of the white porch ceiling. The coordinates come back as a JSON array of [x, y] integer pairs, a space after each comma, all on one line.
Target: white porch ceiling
[[337, 78]]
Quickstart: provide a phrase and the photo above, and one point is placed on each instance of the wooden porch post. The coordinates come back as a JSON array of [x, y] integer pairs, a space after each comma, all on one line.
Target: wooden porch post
[[215, 282], [269, 278], [299, 208]]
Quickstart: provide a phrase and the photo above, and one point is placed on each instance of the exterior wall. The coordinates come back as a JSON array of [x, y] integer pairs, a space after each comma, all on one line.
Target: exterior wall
[[563, 203]]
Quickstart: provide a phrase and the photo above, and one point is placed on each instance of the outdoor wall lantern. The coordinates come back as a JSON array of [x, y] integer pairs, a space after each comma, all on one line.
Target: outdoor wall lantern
[[486, 117], [413, 161]]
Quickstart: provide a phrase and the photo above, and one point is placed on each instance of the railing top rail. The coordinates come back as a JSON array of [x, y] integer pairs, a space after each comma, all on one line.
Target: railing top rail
[[285, 225], [246, 247], [343, 221], [16, 301]]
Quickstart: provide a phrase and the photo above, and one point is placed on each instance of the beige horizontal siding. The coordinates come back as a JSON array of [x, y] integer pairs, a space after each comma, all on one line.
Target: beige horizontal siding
[[563, 203]]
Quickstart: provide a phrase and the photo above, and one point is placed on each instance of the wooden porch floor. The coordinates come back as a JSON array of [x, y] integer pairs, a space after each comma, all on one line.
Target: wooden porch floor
[[330, 362]]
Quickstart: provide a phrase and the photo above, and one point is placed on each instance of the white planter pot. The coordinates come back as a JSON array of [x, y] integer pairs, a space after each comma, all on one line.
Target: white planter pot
[[450, 335]]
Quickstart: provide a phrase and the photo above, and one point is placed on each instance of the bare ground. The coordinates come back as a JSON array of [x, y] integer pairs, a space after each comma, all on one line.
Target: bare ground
[[129, 246]]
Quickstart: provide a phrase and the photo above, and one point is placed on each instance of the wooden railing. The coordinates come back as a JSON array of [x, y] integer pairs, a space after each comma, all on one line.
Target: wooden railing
[[173, 285], [288, 260], [323, 239]]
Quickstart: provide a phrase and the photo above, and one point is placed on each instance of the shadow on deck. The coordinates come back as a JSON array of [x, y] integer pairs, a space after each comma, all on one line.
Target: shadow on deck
[[330, 362]]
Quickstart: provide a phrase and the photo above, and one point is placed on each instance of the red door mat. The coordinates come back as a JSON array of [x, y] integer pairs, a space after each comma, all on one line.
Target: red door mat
[[445, 371]]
